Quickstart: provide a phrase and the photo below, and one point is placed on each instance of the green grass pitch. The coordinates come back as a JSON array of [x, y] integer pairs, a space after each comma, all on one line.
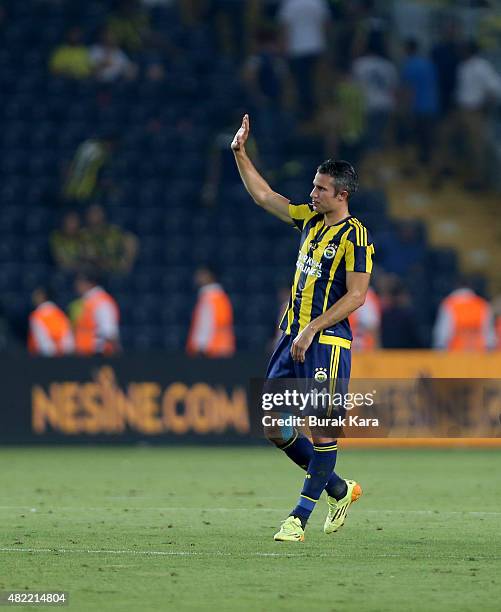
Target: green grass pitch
[[192, 529]]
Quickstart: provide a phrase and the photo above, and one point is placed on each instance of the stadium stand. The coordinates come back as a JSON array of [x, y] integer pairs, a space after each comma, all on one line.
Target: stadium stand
[[166, 121]]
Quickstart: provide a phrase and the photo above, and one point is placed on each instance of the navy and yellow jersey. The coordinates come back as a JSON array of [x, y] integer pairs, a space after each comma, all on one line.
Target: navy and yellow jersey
[[326, 254]]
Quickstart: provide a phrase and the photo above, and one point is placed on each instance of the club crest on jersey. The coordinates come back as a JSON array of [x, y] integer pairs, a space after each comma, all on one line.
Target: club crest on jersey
[[330, 251], [320, 375]]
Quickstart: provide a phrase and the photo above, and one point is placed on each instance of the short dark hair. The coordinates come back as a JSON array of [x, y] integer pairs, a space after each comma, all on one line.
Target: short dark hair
[[472, 47], [89, 274], [266, 34], [47, 291], [344, 174], [411, 46], [210, 267]]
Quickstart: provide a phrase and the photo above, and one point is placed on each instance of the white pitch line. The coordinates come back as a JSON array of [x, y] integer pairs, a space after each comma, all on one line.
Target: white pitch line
[[432, 512], [54, 509], [181, 553]]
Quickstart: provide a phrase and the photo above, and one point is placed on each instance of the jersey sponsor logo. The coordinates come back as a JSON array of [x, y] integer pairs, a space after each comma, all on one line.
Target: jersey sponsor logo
[[309, 266]]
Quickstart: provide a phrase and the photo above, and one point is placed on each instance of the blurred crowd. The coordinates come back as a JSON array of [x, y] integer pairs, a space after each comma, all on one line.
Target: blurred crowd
[[465, 321], [360, 79], [388, 319], [354, 77], [98, 244], [357, 79]]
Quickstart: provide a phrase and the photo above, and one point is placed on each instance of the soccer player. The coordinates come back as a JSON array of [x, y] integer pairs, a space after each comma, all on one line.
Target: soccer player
[[330, 282]]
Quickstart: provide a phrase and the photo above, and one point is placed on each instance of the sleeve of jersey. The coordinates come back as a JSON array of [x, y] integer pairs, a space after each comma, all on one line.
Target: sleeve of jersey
[[300, 214], [359, 251]]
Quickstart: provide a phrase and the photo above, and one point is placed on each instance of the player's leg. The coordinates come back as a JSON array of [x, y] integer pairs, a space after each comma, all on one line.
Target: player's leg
[[280, 367], [288, 439], [346, 491], [321, 369], [319, 363]]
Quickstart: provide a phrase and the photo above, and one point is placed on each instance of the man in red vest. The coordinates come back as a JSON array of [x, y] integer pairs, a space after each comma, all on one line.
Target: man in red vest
[[96, 322], [50, 332], [464, 322], [211, 333]]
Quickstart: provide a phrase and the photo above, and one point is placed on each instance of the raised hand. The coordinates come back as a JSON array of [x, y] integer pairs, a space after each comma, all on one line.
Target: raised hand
[[241, 136]]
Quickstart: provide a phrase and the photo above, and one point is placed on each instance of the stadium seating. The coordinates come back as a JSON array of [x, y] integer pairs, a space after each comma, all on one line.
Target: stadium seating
[[158, 171]]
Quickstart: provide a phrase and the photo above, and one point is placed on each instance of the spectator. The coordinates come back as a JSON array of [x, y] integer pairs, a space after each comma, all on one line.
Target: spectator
[[265, 73], [365, 323], [446, 56], [221, 167], [192, 12], [97, 319], [105, 246], [235, 22], [419, 82], [305, 26], [267, 80], [378, 77], [130, 25], [72, 59], [50, 332], [211, 333], [66, 243], [357, 21], [478, 87], [341, 123], [91, 156], [399, 327], [109, 61], [464, 322]]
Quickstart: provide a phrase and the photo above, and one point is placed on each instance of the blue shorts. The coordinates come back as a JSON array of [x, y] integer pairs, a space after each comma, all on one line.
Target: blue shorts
[[333, 360], [326, 367]]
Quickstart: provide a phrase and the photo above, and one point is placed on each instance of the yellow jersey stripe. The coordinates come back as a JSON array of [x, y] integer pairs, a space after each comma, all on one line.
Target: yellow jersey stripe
[[334, 341], [308, 291], [350, 256], [333, 352], [297, 276], [362, 235], [335, 264], [363, 232], [368, 259], [333, 370], [357, 229], [335, 365], [333, 374], [300, 211]]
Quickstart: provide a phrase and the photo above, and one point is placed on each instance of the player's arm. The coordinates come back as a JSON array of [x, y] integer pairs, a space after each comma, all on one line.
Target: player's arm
[[255, 184], [357, 284]]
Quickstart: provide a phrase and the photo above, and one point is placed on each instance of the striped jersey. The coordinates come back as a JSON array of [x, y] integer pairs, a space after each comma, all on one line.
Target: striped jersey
[[326, 254]]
